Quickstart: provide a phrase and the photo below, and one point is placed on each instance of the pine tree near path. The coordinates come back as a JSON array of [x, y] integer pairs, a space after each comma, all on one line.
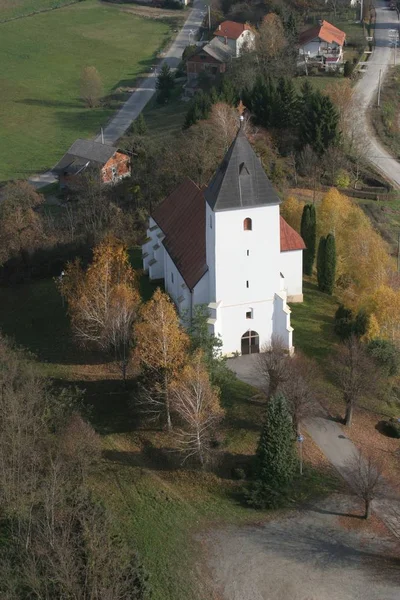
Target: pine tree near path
[[308, 230], [276, 458]]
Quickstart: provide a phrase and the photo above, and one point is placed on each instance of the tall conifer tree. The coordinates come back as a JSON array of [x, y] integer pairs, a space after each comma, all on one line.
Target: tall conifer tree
[[326, 263], [275, 457], [309, 235]]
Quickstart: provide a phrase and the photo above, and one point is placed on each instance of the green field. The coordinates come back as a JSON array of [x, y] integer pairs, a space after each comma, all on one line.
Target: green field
[[42, 59], [10, 9]]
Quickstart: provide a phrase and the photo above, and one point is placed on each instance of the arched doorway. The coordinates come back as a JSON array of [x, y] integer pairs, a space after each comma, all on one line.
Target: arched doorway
[[250, 342]]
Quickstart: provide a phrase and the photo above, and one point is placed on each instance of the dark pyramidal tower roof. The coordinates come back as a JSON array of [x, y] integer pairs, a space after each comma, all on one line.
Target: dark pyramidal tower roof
[[240, 180]]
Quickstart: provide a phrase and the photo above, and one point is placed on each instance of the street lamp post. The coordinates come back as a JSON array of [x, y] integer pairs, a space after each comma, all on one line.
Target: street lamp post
[[190, 33]]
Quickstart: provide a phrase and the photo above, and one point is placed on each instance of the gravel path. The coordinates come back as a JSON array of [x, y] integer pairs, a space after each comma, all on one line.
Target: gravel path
[[314, 554]]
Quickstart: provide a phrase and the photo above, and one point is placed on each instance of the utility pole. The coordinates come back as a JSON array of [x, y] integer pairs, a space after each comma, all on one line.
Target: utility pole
[[102, 136], [361, 10], [209, 17], [379, 88]]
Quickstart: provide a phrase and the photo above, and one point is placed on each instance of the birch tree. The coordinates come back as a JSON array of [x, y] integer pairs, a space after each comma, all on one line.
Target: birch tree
[[161, 346], [196, 402], [103, 301]]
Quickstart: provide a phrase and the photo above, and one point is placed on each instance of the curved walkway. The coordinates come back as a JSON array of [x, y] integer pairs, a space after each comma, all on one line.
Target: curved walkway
[[367, 88], [336, 446], [144, 92]]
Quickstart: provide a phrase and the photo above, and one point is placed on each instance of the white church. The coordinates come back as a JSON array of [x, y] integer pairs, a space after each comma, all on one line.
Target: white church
[[227, 247]]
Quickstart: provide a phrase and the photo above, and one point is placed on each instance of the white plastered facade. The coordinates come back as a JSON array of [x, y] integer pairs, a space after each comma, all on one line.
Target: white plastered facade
[[248, 280]]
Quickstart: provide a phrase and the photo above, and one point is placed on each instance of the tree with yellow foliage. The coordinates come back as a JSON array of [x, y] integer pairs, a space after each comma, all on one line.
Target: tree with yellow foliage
[[384, 305], [291, 210], [161, 346], [103, 301], [363, 260], [197, 404]]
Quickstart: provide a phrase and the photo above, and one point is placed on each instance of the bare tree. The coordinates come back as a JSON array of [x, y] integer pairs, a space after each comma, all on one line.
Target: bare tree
[[354, 372], [272, 365], [299, 388], [196, 403], [366, 478], [91, 87]]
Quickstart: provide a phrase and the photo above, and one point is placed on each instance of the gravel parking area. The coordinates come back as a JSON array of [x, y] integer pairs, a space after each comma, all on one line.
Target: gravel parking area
[[321, 553]]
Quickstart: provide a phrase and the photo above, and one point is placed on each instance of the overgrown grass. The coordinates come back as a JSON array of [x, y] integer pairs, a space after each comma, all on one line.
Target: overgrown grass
[[43, 57], [166, 121], [312, 321], [386, 119]]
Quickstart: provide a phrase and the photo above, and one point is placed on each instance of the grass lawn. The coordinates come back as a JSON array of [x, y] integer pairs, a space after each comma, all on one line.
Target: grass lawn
[[43, 57], [312, 321], [167, 120], [17, 8]]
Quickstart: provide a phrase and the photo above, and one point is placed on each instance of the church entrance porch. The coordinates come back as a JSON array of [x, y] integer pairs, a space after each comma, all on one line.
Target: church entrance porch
[[250, 342]]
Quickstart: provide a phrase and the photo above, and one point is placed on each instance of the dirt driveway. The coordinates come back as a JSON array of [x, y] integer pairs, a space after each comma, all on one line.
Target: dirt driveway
[[316, 554]]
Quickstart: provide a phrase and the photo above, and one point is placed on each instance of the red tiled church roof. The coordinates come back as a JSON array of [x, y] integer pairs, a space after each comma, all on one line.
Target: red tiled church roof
[[182, 218], [326, 32], [231, 29], [290, 239]]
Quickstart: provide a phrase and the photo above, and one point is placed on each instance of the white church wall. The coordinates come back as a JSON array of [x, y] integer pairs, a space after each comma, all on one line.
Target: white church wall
[[281, 321], [291, 266], [156, 268], [210, 252], [232, 324], [201, 292], [246, 262], [176, 287]]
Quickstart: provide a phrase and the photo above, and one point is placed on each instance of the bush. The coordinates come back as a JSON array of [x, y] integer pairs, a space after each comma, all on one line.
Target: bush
[[238, 473], [342, 179], [346, 324], [173, 4], [348, 69], [391, 428], [385, 353]]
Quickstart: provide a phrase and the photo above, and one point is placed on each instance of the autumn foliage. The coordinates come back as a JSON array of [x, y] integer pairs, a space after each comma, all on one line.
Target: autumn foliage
[[103, 301]]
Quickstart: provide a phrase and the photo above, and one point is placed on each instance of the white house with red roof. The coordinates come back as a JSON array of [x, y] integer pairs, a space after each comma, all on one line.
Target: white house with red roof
[[228, 247], [235, 35], [323, 43]]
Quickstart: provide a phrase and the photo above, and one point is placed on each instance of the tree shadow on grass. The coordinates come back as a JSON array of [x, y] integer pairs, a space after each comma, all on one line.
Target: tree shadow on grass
[[106, 404], [50, 103]]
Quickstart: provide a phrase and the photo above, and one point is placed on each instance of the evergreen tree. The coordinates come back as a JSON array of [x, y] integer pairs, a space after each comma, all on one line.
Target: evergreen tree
[[275, 456], [319, 122], [228, 93], [165, 84], [262, 101], [308, 230], [199, 109], [326, 263], [291, 27], [321, 263], [139, 126], [286, 104]]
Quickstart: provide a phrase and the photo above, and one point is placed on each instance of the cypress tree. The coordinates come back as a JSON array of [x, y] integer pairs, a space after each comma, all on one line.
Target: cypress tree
[[309, 235], [276, 457], [326, 263], [321, 263], [330, 264]]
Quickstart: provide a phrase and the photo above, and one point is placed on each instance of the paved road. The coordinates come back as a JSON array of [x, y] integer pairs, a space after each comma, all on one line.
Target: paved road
[[330, 438], [367, 87], [144, 92]]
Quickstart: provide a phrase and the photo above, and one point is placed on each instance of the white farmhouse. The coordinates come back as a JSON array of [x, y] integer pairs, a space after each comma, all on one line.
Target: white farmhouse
[[323, 43], [227, 247], [235, 35]]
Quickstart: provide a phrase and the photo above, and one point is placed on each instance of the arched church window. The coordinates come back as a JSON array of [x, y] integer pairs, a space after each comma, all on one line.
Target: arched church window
[[247, 224]]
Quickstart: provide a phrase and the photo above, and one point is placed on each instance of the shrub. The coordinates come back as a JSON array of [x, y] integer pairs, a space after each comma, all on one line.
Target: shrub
[[348, 69], [238, 473], [342, 179], [392, 428], [385, 353]]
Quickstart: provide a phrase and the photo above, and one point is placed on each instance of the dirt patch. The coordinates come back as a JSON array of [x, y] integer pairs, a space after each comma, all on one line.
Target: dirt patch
[[149, 12], [311, 554]]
